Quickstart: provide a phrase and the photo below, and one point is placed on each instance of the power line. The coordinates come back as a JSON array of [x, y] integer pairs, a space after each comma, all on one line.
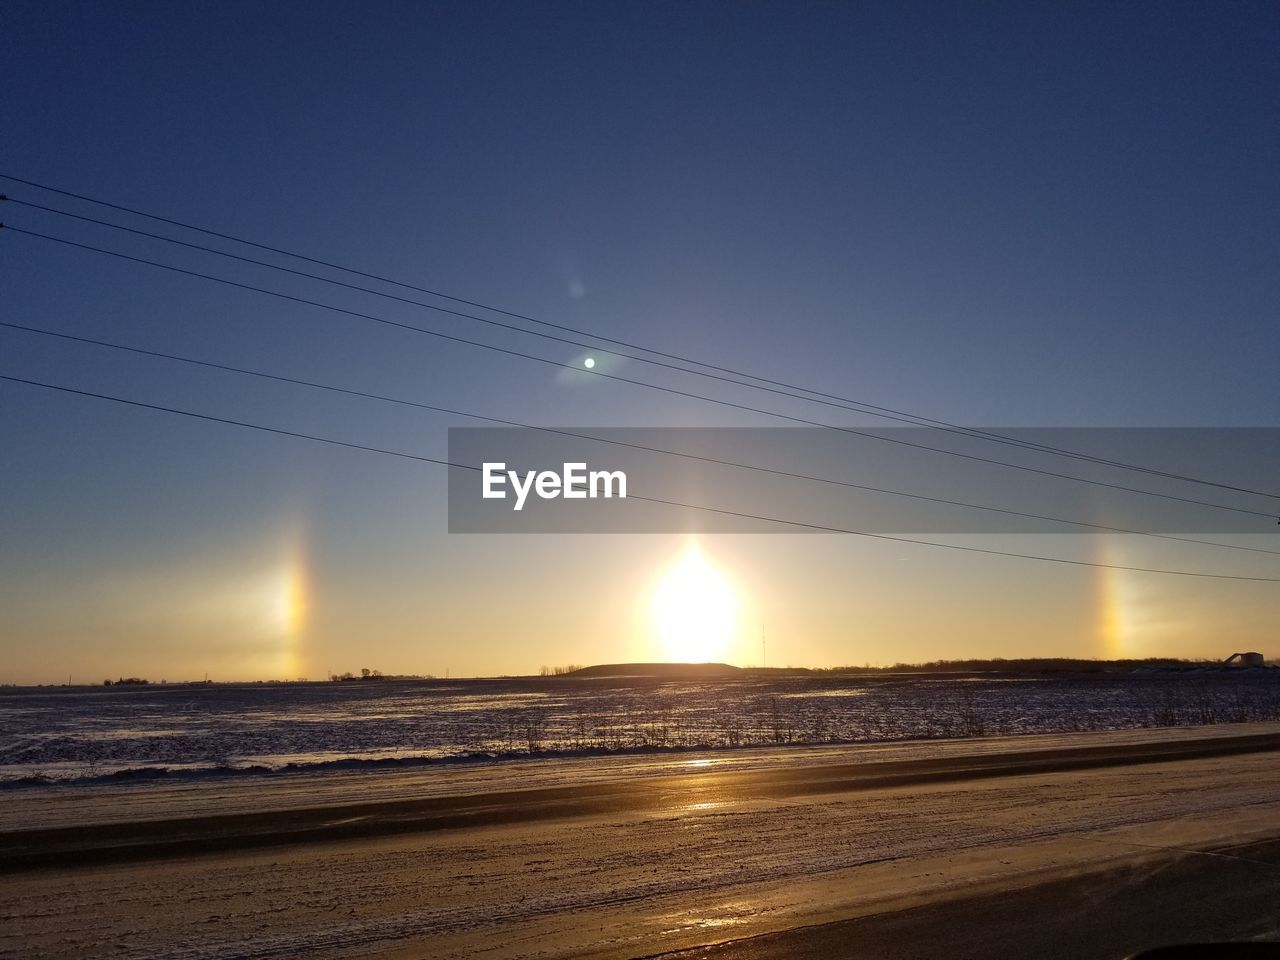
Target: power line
[[851, 405], [658, 500], [640, 383], [854, 406], [762, 383], [140, 351]]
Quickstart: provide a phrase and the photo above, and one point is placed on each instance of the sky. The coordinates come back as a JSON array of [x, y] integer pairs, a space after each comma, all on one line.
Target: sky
[[1023, 215]]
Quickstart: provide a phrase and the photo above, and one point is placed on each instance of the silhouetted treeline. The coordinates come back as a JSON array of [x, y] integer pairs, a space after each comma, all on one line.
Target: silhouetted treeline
[[1028, 665], [559, 671], [365, 674]]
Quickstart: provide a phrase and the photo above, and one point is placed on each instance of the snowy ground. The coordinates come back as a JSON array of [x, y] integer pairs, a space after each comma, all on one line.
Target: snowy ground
[[704, 858], [88, 734]]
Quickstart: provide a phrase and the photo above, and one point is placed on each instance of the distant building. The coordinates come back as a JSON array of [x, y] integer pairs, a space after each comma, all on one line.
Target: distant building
[[1250, 659]]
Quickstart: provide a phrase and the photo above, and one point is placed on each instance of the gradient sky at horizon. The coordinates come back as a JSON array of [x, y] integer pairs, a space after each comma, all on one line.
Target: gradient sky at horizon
[[1021, 215]]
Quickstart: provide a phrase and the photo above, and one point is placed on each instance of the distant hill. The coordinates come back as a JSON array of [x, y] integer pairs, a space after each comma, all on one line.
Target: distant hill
[[665, 671]]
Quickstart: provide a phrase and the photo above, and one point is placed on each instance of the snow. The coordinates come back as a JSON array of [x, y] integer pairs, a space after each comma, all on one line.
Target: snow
[[627, 884], [137, 733]]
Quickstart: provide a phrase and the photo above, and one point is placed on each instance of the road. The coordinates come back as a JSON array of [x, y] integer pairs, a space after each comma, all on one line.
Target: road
[[956, 841], [1228, 895]]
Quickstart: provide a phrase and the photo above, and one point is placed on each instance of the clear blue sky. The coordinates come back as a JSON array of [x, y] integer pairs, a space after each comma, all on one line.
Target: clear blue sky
[[1018, 214]]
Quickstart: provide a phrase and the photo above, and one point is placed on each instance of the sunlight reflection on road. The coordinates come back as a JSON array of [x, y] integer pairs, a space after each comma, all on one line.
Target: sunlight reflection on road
[[730, 914]]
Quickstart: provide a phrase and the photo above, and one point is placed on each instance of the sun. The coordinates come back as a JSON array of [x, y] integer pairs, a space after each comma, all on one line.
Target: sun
[[694, 610]]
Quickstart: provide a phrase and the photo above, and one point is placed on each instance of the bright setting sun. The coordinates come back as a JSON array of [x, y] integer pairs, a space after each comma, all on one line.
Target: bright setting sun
[[694, 610]]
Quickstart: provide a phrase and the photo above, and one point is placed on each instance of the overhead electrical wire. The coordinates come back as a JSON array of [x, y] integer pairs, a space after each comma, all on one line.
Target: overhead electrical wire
[[854, 406], [640, 383], [401, 401], [763, 383], [763, 518]]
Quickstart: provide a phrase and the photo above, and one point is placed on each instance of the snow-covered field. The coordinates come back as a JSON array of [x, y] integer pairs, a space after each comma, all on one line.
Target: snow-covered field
[[87, 734], [704, 857]]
